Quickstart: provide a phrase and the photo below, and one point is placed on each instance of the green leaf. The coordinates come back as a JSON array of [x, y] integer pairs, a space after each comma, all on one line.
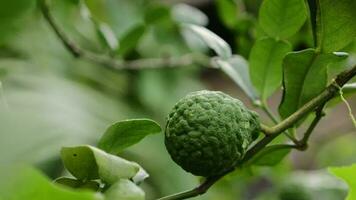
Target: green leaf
[[270, 155], [305, 76], [12, 14], [212, 40], [155, 13], [336, 24], [75, 183], [129, 41], [107, 35], [347, 174], [349, 88], [227, 11], [20, 183], [237, 69], [124, 190], [266, 65], [281, 18], [185, 13], [89, 163], [126, 133]]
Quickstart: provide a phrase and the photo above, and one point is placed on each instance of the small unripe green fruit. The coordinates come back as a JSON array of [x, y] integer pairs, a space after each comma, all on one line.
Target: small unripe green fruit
[[208, 132]]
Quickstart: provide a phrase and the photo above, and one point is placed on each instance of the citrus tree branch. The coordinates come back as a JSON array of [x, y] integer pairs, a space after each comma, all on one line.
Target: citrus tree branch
[[115, 64], [271, 133], [201, 189]]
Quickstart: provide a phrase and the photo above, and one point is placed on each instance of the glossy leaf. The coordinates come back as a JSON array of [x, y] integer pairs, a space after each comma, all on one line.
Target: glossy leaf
[[89, 163], [19, 183], [185, 13], [126, 133], [237, 69], [336, 24], [305, 76], [124, 190], [270, 155], [347, 174], [212, 40], [281, 18], [349, 88], [266, 65], [130, 40]]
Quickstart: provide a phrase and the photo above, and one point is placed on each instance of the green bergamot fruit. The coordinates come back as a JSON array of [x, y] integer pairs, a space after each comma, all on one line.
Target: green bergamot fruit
[[208, 132]]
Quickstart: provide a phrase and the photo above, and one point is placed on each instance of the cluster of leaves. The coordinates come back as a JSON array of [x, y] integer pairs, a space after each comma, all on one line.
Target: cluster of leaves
[[96, 169]]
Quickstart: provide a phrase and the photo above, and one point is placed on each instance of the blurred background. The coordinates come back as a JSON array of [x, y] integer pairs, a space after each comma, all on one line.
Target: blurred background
[[49, 99]]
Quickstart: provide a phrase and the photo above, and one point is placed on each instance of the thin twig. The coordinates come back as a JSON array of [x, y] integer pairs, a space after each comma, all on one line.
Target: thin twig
[[269, 113], [201, 189], [115, 64], [318, 115], [276, 120]]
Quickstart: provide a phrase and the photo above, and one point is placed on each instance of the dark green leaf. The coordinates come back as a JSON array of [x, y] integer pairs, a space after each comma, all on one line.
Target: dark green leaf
[[126, 133], [185, 13], [129, 41], [124, 190], [89, 163], [12, 14], [25, 183], [349, 88], [336, 24], [155, 13], [212, 40], [266, 65], [74, 183], [347, 174], [237, 69], [281, 18], [270, 155], [305, 76], [227, 11]]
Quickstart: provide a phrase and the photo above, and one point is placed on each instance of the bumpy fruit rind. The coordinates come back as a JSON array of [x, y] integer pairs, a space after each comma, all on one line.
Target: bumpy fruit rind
[[208, 132]]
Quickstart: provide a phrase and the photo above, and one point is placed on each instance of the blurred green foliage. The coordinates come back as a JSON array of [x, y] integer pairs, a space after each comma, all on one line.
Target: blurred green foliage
[[48, 99]]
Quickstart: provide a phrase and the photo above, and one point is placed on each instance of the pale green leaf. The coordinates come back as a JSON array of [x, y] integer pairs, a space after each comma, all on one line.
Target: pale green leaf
[[266, 65], [185, 13], [124, 190], [25, 183], [107, 36], [126, 133], [270, 155], [282, 18], [305, 76], [336, 24], [347, 174], [88, 163], [237, 69], [213, 41]]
